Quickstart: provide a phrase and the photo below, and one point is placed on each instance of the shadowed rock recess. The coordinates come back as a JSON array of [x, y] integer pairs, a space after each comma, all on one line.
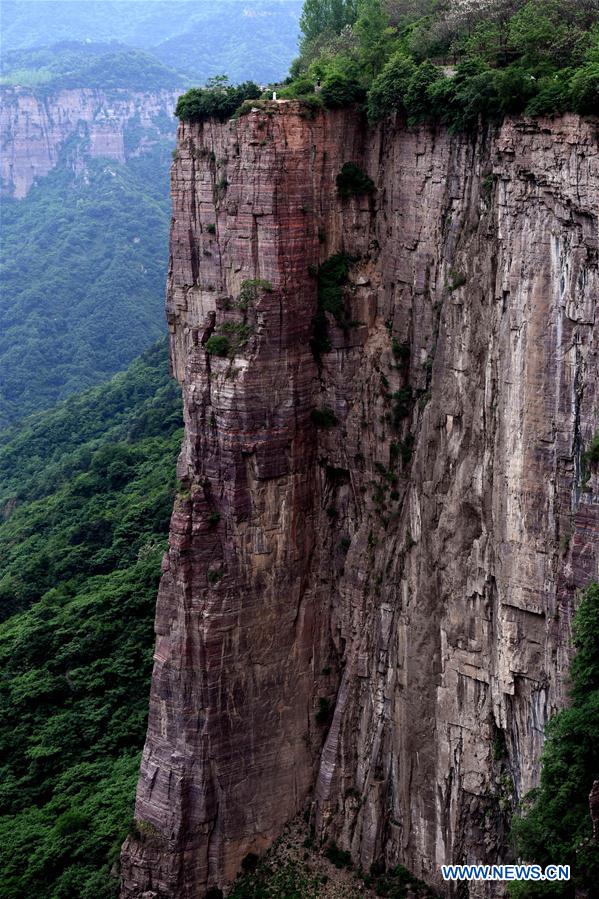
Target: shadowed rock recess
[[377, 545]]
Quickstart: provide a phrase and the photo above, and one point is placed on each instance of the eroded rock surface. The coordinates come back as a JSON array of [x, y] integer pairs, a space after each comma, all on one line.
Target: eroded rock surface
[[366, 611], [36, 129]]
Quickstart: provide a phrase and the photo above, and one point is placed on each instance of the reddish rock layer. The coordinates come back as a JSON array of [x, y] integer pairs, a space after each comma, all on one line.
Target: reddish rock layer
[[372, 616]]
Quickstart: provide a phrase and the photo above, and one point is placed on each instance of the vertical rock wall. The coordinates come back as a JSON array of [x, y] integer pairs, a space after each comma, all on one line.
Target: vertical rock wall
[[366, 610], [36, 128]]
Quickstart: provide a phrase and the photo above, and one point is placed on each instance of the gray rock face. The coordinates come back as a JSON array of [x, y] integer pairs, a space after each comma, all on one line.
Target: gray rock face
[[366, 610], [34, 130]]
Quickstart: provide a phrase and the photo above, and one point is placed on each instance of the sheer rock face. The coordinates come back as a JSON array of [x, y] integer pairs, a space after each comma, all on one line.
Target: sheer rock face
[[34, 130], [370, 619]]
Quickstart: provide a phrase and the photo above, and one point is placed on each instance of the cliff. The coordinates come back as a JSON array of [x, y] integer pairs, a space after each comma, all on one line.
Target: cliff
[[374, 556], [35, 128]]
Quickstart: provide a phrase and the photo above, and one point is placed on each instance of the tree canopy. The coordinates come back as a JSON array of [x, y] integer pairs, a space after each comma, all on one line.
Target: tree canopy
[[87, 492], [468, 59]]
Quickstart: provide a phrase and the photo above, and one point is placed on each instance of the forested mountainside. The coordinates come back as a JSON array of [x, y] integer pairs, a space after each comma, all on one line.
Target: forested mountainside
[[87, 130], [86, 493], [82, 267], [255, 39], [86, 153], [76, 65]]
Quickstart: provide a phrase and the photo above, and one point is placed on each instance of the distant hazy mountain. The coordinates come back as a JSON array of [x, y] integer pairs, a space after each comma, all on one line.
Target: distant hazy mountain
[[80, 64], [87, 128], [244, 38]]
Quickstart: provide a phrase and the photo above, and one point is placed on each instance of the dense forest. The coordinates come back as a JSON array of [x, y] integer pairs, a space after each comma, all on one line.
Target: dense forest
[[87, 491], [443, 61], [82, 266]]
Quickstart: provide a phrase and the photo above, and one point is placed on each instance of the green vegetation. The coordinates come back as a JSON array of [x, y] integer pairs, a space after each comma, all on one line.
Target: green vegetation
[[433, 59], [276, 880], [74, 65], [341, 90], [324, 418], [332, 277], [324, 714], [230, 339], [402, 405], [591, 454], [217, 100], [86, 491], [456, 280], [82, 263], [338, 857], [554, 821], [78, 508], [214, 575], [352, 181], [251, 290], [395, 883], [218, 345]]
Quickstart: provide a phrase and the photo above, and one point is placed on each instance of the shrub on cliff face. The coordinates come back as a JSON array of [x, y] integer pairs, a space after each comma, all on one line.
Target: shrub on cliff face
[[555, 825], [217, 100], [352, 181], [591, 454], [332, 276], [324, 418], [250, 291], [218, 345], [338, 857]]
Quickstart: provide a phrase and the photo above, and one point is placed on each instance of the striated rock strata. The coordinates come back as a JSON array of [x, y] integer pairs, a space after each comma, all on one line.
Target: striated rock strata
[[365, 610], [36, 128]]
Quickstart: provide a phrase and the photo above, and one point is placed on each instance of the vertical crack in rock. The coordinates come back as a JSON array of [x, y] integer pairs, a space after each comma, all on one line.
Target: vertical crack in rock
[[365, 608]]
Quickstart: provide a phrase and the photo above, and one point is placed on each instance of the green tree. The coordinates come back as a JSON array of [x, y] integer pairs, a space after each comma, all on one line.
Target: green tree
[[417, 95], [547, 33], [584, 89], [515, 87], [340, 90], [326, 17], [553, 95], [217, 100], [388, 90], [554, 824], [374, 34]]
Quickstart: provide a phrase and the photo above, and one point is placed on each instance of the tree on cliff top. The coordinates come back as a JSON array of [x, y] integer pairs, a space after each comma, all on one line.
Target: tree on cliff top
[[534, 56], [326, 16], [217, 100]]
